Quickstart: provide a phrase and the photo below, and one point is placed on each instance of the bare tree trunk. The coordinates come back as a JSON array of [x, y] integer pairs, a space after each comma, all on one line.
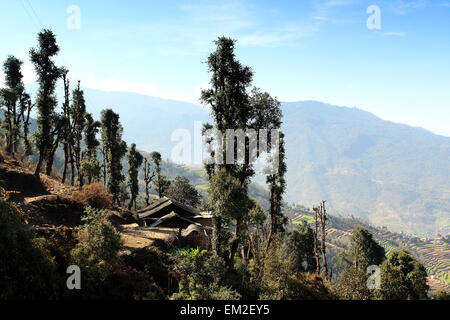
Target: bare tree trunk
[[39, 163], [316, 230], [323, 221]]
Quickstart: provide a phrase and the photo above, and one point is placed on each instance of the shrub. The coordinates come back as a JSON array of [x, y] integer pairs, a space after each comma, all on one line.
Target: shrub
[[93, 195], [25, 269]]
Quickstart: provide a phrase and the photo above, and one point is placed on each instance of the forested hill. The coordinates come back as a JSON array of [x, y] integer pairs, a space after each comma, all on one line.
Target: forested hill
[[389, 173]]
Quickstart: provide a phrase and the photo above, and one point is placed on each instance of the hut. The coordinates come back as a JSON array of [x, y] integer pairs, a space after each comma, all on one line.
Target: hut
[[166, 212]]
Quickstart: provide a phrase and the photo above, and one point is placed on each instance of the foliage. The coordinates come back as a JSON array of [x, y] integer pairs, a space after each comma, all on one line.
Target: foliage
[[91, 169], [99, 241], [228, 201], [282, 281], [161, 184], [403, 277], [77, 113], [47, 73], [26, 271], [203, 276], [134, 162], [182, 191], [114, 149], [442, 295], [300, 244]]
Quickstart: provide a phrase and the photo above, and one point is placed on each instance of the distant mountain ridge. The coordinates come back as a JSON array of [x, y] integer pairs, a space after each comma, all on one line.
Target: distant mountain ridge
[[391, 174]]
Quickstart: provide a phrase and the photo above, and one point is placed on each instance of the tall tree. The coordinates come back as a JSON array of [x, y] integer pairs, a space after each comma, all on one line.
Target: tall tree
[[149, 174], [161, 183], [114, 148], [47, 74], [90, 165], [134, 162], [10, 97], [277, 186], [67, 133], [78, 116], [321, 217], [233, 107], [25, 109]]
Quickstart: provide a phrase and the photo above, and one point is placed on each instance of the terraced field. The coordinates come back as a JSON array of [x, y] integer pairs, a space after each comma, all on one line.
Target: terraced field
[[433, 253]]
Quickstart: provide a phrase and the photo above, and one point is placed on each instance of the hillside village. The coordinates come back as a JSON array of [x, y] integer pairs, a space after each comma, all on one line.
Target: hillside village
[[136, 233]]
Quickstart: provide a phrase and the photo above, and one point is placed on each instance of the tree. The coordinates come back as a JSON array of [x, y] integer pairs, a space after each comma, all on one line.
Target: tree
[[364, 251], [182, 191], [11, 97], [320, 214], [300, 244], [57, 133], [233, 107], [114, 149], [161, 183], [228, 201], [67, 133], [47, 74], [90, 136], [78, 115], [277, 187], [134, 162], [148, 177], [403, 277], [90, 166]]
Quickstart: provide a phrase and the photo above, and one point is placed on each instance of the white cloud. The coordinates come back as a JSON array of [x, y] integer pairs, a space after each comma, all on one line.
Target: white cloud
[[403, 7]]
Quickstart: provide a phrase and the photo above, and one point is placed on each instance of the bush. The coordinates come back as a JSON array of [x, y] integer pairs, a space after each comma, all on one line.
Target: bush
[[93, 195], [99, 240], [202, 275], [26, 270]]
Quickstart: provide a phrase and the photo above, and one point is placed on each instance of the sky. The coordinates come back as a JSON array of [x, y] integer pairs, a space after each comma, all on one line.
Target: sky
[[391, 58]]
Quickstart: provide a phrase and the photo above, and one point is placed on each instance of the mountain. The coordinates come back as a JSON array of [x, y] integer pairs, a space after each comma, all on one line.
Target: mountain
[[392, 174], [389, 173]]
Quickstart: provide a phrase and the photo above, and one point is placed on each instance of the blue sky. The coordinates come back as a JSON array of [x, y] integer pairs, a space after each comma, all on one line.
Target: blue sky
[[320, 50]]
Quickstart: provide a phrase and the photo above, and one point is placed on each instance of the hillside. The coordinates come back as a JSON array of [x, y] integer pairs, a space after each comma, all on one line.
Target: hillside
[[389, 173], [433, 253]]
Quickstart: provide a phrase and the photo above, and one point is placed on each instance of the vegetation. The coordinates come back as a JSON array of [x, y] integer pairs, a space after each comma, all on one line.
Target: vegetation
[[253, 253]]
